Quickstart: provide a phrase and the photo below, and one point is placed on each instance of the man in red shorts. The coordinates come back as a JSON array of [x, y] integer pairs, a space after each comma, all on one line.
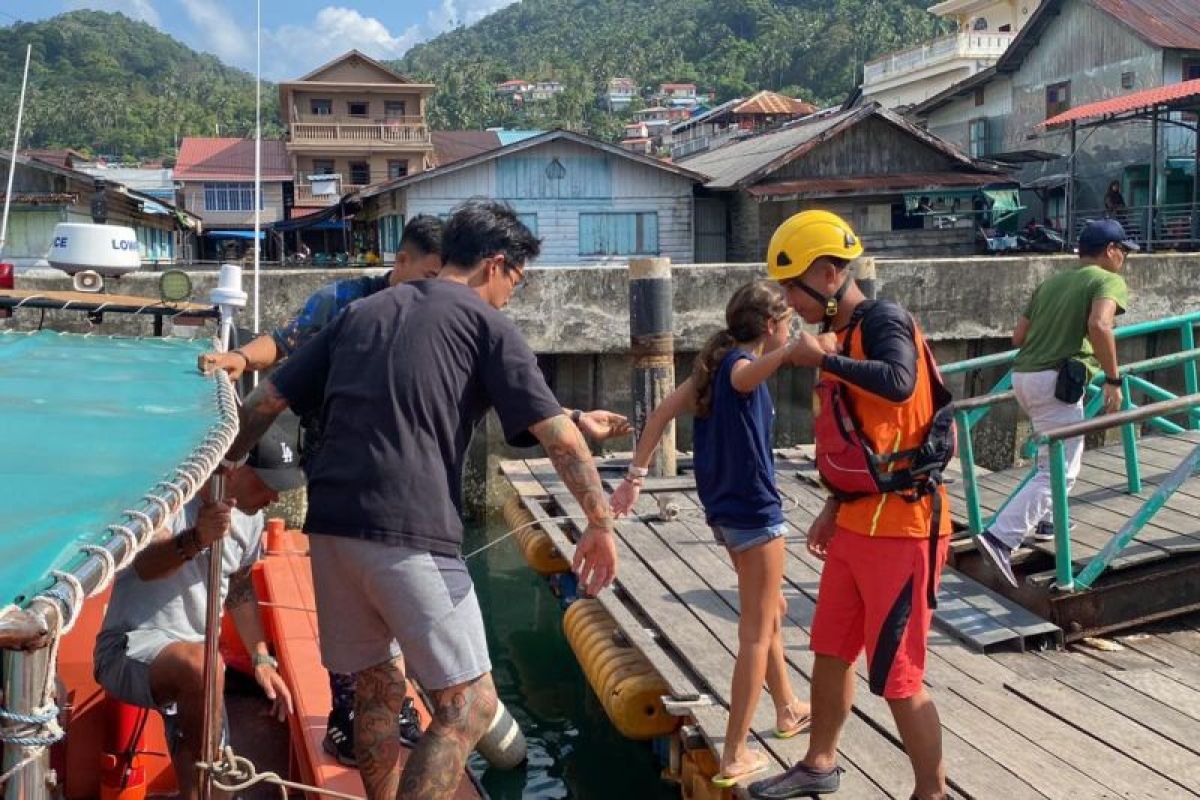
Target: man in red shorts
[[879, 579]]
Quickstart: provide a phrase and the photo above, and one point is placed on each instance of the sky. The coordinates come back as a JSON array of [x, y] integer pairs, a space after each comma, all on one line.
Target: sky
[[297, 35]]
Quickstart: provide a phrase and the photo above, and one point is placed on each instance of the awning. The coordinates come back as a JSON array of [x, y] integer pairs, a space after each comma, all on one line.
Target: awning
[[1048, 182], [329, 219], [94, 425], [1024, 156], [235, 234], [1175, 94]]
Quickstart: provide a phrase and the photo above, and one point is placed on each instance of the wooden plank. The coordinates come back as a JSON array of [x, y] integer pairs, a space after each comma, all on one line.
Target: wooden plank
[[521, 479], [1155, 465], [1074, 747], [682, 687], [971, 771], [1162, 649], [1122, 734], [663, 600], [982, 618], [1113, 690]]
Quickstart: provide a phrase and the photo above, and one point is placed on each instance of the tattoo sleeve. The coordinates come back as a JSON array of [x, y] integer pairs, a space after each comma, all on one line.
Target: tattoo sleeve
[[241, 589], [569, 453], [261, 408]]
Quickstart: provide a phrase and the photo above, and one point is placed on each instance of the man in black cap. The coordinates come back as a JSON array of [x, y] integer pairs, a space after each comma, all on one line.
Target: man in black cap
[[150, 651], [1066, 338]]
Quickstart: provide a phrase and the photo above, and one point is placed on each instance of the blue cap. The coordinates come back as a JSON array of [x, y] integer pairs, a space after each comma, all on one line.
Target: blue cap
[[1098, 233]]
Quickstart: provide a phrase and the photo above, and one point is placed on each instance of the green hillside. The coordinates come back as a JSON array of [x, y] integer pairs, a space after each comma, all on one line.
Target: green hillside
[[106, 83]]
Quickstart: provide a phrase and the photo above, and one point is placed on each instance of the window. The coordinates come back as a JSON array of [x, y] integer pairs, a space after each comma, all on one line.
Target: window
[[321, 108], [978, 136], [393, 109], [980, 24], [358, 108], [155, 244], [1005, 29], [979, 96], [1191, 69], [610, 234], [230, 197], [390, 230], [1058, 98], [322, 166], [397, 168], [360, 173], [1126, 80]]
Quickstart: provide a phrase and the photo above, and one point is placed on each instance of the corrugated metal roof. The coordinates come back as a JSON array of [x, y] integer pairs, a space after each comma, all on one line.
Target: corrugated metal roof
[[728, 165], [874, 184], [451, 146], [225, 159], [1164, 23], [1146, 98], [766, 102]]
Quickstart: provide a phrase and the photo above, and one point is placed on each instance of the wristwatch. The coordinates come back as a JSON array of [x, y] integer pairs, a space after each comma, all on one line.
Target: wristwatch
[[1112, 381], [261, 659]]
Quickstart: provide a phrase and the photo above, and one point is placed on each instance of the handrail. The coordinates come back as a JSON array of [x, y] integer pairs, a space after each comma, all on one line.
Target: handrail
[[984, 400], [1116, 420]]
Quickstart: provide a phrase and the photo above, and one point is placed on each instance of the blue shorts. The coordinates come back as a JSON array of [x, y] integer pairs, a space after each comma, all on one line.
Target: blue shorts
[[740, 539]]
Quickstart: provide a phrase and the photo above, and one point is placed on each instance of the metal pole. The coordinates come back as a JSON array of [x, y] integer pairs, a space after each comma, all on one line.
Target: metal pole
[[212, 657], [257, 163], [1196, 181], [1062, 516], [1153, 180], [1069, 227], [652, 340], [25, 675], [12, 161]]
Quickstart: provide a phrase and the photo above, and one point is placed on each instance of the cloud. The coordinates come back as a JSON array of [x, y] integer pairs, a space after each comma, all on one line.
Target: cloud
[[142, 10], [452, 13], [219, 33], [298, 49]]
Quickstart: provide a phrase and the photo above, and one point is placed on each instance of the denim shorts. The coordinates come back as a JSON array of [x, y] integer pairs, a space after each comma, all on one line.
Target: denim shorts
[[740, 539]]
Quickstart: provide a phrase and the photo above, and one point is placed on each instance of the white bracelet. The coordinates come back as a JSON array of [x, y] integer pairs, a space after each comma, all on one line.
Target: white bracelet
[[637, 472], [227, 464]]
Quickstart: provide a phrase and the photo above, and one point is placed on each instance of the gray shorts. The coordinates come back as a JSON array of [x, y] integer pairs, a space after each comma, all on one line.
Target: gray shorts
[[122, 664], [377, 601]]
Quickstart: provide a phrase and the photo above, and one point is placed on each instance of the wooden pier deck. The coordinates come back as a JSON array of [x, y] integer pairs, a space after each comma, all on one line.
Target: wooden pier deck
[[1017, 722]]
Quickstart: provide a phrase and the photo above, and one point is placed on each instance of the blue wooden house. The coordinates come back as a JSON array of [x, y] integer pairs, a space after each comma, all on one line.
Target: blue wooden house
[[591, 202]]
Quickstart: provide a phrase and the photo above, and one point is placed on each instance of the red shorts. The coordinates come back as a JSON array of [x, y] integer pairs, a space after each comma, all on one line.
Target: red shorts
[[874, 594]]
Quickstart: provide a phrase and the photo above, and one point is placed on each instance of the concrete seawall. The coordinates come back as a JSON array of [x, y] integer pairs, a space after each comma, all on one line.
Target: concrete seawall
[[577, 320]]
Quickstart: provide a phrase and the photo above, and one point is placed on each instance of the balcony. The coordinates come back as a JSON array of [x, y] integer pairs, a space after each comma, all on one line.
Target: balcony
[[304, 194], [973, 45], [328, 130]]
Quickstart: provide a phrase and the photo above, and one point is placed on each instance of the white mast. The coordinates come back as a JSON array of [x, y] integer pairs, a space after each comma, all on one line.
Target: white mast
[[12, 162], [257, 159]]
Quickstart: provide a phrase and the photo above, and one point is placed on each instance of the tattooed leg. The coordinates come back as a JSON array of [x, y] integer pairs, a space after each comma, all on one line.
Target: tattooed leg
[[378, 697], [460, 718]]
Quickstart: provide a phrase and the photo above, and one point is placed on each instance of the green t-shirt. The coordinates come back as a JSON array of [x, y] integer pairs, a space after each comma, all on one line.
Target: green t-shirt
[[1058, 316]]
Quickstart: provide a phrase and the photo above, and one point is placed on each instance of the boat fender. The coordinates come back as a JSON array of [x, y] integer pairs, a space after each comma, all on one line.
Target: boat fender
[[504, 744]]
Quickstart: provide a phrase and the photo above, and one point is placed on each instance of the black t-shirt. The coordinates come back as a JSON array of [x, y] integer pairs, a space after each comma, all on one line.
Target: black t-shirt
[[401, 379]]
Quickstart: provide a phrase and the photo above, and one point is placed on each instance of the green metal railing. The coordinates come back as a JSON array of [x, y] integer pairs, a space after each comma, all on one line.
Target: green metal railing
[[1163, 403]]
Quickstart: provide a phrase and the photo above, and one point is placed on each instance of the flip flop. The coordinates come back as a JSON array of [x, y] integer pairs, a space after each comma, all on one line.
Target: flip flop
[[803, 722], [761, 764]]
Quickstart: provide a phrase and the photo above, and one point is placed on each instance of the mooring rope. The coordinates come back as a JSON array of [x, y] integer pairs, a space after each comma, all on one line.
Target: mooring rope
[[233, 773]]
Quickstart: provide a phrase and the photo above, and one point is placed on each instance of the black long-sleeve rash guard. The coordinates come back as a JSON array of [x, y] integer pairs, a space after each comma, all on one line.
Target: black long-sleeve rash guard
[[890, 367]]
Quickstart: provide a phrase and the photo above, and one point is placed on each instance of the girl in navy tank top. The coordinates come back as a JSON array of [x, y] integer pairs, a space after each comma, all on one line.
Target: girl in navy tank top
[[732, 432]]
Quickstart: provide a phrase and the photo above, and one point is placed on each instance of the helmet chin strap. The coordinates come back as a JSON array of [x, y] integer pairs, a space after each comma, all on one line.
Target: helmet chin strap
[[830, 303]]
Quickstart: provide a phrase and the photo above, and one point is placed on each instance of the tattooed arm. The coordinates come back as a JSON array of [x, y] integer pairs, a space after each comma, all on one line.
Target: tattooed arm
[[596, 553], [242, 602], [255, 416]]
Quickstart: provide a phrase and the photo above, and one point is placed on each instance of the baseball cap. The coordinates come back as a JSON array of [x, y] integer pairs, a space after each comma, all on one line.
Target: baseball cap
[[1099, 233], [276, 457]]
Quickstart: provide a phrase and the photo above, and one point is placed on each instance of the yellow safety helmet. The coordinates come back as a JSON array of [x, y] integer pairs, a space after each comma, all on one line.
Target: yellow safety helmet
[[805, 237]]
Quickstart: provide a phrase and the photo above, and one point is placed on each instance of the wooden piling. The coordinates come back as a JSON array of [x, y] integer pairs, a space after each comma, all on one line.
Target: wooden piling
[[652, 343]]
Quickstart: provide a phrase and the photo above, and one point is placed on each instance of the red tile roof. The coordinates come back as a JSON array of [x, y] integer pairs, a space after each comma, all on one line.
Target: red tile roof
[[1164, 23], [772, 103], [206, 158], [1146, 98]]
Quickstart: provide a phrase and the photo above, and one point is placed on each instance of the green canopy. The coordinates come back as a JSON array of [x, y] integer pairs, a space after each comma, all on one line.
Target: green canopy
[[89, 426]]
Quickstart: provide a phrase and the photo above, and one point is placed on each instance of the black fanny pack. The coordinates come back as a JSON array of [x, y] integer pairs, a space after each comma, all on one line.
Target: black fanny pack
[[1072, 380]]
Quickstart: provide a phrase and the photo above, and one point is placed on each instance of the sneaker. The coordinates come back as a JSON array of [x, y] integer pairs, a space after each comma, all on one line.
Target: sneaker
[[1044, 532], [410, 723], [799, 781], [339, 736], [998, 554]]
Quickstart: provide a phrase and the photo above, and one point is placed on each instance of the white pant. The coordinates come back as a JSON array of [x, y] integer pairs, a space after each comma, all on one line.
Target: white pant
[[1035, 393]]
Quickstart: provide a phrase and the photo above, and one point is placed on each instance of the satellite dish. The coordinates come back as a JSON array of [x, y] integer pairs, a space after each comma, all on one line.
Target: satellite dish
[[107, 250]]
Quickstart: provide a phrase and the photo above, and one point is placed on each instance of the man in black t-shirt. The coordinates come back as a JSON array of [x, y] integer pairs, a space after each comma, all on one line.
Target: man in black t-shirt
[[401, 380]]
